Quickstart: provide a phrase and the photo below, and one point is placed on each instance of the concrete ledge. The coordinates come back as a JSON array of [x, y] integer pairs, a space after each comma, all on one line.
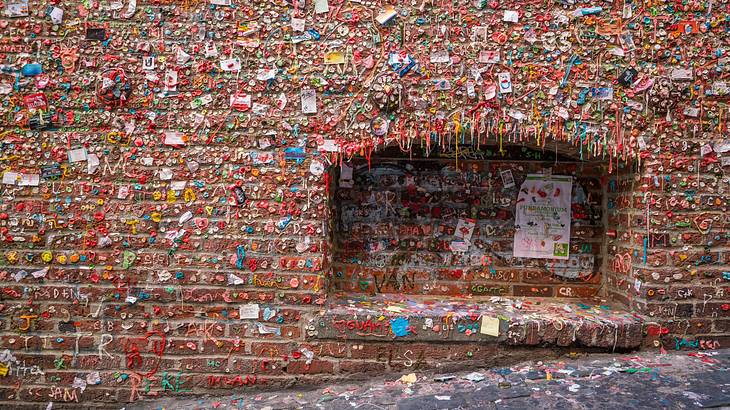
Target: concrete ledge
[[526, 322]]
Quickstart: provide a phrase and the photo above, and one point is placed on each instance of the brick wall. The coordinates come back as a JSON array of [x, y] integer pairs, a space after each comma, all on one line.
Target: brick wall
[[163, 207], [669, 256]]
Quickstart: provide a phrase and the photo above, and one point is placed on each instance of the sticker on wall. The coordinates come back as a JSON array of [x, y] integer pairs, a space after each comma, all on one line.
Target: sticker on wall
[[457, 246], [174, 138], [230, 64], [76, 155], [511, 16], [56, 15], [298, 24], [239, 195], [267, 330], [490, 91], [35, 102], [465, 229], [241, 101], [170, 81], [181, 56], [470, 89], [334, 57], [281, 101], [148, 63], [440, 57], [210, 50], [97, 34], [236, 280], [386, 15], [309, 101], [131, 8], [508, 181], [316, 167], [505, 82], [16, 8], [379, 126], [489, 56], [321, 6]]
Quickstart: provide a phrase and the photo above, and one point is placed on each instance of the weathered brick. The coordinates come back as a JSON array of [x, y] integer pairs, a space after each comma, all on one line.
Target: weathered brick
[[316, 366], [534, 291], [354, 367]]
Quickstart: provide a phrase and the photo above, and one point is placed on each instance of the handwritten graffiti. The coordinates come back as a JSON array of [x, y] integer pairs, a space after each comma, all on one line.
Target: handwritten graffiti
[[134, 358], [703, 344], [488, 290], [387, 281], [621, 263], [63, 394], [239, 380], [164, 383], [394, 280], [362, 326], [657, 240]]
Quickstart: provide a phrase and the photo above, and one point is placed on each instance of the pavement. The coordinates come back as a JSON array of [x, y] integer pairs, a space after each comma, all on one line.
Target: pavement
[[646, 380]]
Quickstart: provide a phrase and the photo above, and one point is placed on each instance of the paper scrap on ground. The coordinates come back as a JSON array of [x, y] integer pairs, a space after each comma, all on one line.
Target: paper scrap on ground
[[408, 378]]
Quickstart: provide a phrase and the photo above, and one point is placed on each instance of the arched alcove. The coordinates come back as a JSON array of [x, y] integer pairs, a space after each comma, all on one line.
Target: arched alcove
[[441, 223]]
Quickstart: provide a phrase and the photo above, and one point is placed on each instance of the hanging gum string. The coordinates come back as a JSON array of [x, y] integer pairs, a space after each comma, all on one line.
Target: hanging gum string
[[574, 133], [500, 135], [457, 154]]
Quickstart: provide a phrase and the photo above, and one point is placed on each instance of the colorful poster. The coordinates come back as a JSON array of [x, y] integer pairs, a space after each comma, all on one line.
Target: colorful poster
[[542, 217]]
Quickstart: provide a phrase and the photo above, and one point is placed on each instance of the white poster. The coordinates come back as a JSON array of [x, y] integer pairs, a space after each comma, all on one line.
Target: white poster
[[309, 101], [542, 217]]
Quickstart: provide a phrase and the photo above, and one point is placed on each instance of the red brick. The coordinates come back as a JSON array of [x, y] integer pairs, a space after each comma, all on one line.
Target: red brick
[[316, 366], [259, 366], [347, 366], [534, 291]]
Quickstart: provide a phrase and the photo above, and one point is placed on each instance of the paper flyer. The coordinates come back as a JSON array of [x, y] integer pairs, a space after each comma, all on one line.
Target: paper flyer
[[542, 217]]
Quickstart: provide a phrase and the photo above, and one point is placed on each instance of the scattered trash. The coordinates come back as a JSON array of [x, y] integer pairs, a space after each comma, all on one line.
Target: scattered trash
[[552, 383], [408, 378], [474, 377], [533, 375], [503, 371]]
